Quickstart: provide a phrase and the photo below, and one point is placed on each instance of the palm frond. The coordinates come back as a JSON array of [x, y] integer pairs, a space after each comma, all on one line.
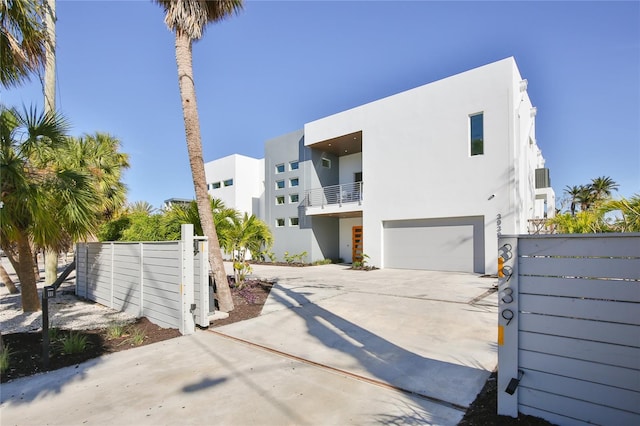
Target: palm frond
[[192, 16]]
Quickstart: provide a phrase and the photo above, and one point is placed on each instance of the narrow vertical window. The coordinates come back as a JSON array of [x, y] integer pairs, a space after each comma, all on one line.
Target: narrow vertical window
[[477, 134]]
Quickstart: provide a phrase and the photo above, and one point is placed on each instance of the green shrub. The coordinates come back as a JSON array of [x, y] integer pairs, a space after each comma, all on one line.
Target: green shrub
[[5, 358], [74, 343], [54, 334], [136, 336], [115, 331]]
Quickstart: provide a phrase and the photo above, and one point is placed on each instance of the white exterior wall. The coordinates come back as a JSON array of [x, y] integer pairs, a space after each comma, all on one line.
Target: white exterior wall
[[416, 159], [348, 166], [248, 182]]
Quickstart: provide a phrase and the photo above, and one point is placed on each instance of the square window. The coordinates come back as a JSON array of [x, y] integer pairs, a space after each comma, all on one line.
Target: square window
[[293, 165], [280, 199], [215, 185], [228, 182], [279, 223], [293, 221], [294, 182], [476, 134], [279, 184], [279, 168], [294, 198], [326, 163]]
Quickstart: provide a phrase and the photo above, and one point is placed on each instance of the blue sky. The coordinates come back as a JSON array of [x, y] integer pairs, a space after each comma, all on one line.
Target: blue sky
[[278, 65]]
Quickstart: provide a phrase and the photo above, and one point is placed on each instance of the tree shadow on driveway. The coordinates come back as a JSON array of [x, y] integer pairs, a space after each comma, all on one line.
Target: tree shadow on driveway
[[349, 347]]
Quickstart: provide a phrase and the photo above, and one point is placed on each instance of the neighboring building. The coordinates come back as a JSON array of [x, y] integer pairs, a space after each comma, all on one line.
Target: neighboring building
[[176, 202], [238, 181], [425, 179]]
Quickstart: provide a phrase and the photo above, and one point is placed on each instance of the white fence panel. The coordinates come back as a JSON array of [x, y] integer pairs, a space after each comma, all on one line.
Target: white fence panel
[[571, 352]]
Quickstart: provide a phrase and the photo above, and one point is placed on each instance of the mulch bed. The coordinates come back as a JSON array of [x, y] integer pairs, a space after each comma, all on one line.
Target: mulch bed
[[26, 348], [248, 301]]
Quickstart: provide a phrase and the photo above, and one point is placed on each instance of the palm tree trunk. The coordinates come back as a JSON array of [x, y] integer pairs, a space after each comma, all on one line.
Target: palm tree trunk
[[50, 266], [194, 147], [50, 256], [6, 279], [30, 300]]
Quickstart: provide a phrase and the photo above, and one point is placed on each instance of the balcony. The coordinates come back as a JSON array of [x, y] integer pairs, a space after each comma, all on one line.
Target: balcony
[[343, 200]]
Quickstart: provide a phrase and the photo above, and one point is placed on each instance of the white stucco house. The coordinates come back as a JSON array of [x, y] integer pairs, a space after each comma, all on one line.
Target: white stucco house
[[238, 181], [424, 179]]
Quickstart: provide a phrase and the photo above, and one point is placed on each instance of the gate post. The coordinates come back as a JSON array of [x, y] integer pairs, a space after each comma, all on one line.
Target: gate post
[[508, 324], [203, 281], [187, 324]]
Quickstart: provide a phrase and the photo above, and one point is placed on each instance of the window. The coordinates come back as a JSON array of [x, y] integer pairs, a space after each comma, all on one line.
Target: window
[[228, 182], [279, 184], [293, 165], [279, 223], [293, 221], [477, 134], [215, 185], [279, 168], [294, 182], [280, 199], [294, 198], [326, 163]]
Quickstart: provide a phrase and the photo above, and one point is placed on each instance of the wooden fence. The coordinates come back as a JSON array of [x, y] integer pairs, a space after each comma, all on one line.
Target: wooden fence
[[569, 328], [167, 282]]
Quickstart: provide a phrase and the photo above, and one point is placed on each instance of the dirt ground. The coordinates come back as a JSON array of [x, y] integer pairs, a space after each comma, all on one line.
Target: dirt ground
[[26, 353]]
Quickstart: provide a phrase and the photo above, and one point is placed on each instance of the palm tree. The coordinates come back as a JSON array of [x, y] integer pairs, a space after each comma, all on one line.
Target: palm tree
[[585, 197], [39, 193], [223, 218], [23, 40], [602, 186], [248, 235], [573, 192], [140, 207], [100, 156], [8, 282], [630, 213], [188, 18]]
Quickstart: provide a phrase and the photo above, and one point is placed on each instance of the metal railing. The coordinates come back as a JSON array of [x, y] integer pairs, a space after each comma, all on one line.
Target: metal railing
[[334, 195]]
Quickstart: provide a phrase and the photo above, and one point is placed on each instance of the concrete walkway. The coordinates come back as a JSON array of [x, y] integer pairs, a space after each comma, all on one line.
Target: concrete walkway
[[332, 346]]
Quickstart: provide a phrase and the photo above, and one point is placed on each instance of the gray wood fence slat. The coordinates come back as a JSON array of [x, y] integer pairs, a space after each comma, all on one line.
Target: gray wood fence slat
[[622, 399], [580, 267], [620, 245], [626, 291], [587, 412], [620, 334], [621, 377], [602, 310], [556, 419], [621, 356]]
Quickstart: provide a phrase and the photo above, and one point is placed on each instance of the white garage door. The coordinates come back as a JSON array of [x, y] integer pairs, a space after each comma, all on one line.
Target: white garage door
[[443, 244]]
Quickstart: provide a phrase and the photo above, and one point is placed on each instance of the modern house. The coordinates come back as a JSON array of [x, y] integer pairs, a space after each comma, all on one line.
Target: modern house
[[424, 179], [238, 181]]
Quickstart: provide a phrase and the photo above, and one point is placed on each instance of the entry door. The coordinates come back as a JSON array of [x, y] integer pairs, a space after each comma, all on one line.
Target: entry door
[[356, 244]]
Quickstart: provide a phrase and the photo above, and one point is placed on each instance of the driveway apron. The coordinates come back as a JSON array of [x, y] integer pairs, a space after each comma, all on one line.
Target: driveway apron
[[425, 333]]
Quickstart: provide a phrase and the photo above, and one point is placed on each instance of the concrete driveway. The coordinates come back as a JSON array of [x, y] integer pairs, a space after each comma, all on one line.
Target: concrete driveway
[[332, 346]]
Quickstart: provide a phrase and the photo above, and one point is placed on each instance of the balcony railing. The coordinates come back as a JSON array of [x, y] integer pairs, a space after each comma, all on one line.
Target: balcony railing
[[334, 195]]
